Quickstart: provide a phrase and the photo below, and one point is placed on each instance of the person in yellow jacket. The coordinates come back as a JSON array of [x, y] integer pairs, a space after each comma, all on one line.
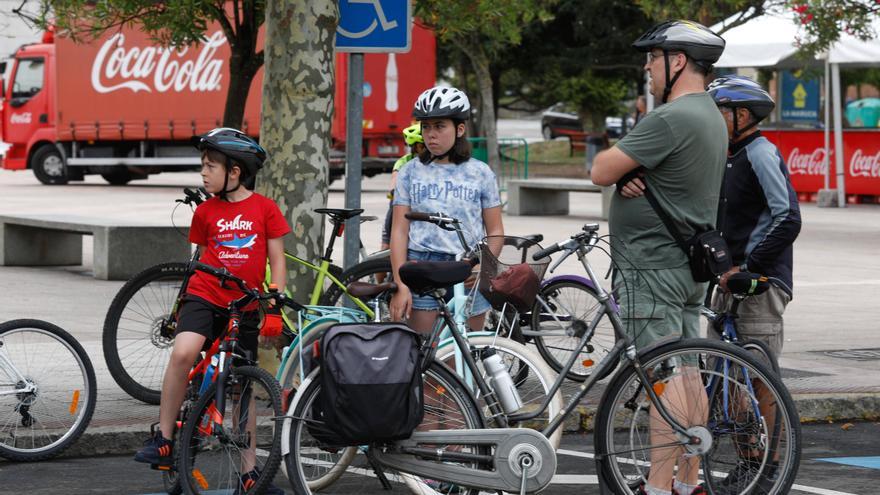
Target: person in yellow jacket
[[412, 135]]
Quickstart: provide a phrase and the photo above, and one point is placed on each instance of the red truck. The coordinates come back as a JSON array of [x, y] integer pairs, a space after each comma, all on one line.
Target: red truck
[[125, 108]]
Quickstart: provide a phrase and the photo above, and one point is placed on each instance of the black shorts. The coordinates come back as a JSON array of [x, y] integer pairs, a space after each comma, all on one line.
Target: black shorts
[[208, 320]]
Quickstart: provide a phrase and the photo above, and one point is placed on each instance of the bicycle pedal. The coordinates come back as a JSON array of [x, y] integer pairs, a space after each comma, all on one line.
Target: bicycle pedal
[[162, 467]]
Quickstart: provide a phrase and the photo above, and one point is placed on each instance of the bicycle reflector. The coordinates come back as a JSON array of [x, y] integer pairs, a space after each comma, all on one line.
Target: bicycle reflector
[[74, 402], [340, 230]]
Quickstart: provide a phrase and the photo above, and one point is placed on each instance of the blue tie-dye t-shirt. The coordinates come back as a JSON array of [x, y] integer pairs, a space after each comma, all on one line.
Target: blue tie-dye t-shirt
[[460, 191]]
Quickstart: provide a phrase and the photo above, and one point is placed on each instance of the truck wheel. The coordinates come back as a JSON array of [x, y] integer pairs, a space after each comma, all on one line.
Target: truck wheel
[[49, 166], [118, 177]]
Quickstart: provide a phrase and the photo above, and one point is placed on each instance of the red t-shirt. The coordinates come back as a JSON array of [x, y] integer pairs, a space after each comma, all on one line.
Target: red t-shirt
[[234, 236]]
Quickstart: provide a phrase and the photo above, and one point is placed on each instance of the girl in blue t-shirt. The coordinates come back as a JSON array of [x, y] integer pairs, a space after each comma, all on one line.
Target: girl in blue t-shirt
[[443, 179]]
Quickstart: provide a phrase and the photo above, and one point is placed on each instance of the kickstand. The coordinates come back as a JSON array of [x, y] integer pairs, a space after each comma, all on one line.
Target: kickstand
[[380, 473]]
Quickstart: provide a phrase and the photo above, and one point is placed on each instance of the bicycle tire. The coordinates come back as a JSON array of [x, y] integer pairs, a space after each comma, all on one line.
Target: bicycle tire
[[538, 382], [299, 458], [200, 456], [365, 271], [135, 350], [623, 418], [34, 409], [564, 297]]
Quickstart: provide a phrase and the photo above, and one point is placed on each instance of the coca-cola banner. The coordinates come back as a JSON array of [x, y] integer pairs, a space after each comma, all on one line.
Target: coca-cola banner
[[124, 86], [804, 153]]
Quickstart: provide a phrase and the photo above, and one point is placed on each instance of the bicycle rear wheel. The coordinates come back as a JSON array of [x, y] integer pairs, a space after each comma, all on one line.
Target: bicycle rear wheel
[[560, 316], [708, 386], [216, 457], [370, 271], [531, 375], [139, 330], [447, 406], [47, 390]]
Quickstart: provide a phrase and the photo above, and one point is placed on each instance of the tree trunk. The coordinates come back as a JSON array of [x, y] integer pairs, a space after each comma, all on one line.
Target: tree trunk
[[480, 63], [297, 107], [243, 67]]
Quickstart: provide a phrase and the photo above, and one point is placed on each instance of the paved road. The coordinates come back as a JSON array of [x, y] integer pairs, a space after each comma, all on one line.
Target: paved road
[[828, 467]]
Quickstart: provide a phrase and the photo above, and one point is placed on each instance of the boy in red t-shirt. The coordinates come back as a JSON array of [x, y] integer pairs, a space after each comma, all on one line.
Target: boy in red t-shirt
[[237, 229]]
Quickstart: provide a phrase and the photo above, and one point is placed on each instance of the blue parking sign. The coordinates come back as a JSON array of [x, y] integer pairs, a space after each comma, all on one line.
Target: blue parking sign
[[372, 26]]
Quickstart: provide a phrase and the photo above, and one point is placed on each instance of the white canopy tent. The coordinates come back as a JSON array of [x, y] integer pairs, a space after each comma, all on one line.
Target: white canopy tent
[[769, 41]]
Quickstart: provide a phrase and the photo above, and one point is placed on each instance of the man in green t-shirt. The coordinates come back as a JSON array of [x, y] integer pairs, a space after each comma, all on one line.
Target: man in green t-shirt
[[679, 150]]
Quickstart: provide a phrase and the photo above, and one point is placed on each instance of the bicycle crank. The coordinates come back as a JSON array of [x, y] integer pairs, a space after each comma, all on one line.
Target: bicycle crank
[[523, 460]]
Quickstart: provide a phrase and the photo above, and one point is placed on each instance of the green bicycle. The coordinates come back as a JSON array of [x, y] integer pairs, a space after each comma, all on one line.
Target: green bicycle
[[139, 327]]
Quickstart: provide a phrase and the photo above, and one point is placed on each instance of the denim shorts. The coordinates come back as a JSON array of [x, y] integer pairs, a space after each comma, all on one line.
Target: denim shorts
[[476, 303]]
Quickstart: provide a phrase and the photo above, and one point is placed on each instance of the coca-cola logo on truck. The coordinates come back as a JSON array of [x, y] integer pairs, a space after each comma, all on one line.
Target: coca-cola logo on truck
[[804, 164], [862, 165], [155, 68]]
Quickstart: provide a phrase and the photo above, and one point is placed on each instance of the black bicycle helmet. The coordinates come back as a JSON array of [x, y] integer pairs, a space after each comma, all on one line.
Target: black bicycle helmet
[[236, 145], [699, 43], [442, 103]]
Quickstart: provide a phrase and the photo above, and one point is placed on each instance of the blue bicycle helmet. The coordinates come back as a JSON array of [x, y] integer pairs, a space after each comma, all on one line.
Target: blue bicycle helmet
[[741, 92]]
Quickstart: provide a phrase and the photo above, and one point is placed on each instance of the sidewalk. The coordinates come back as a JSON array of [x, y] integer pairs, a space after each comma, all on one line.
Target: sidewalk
[[831, 361]]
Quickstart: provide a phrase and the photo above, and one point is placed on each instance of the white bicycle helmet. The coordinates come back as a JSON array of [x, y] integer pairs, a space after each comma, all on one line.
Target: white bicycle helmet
[[442, 103]]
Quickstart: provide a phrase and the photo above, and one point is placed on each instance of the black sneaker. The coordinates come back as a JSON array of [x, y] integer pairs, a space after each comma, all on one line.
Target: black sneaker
[[249, 479], [157, 450], [744, 473]]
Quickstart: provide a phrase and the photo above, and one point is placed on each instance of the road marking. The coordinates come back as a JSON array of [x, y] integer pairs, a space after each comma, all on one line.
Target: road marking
[[865, 462], [575, 479], [800, 488]]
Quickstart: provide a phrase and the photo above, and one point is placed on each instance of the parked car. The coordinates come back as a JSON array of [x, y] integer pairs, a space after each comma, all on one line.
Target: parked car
[[560, 120]]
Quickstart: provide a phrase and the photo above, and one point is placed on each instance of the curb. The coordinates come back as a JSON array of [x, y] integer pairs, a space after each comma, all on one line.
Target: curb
[[811, 407]]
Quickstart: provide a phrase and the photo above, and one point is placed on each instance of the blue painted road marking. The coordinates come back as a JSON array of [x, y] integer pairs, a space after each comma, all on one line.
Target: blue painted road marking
[[865, 462]]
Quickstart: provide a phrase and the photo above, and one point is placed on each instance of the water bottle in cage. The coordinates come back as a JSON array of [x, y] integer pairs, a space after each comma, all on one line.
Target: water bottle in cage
[[501, 381]]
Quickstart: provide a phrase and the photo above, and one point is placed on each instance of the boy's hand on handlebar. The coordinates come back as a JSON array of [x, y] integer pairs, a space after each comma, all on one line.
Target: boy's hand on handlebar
[[401, 303], [723, 281]]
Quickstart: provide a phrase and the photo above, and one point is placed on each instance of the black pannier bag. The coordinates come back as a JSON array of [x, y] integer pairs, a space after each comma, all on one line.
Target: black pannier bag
[[371, 384]]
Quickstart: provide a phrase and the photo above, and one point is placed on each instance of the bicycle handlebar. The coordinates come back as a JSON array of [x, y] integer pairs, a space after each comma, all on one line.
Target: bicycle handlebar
[[547, 251], [194, 196], [438, 219], [223, 275]]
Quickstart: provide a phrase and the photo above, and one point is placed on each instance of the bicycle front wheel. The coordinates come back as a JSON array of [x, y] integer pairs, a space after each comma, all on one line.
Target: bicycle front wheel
[[47, 390], [560, 316], [138, 330], [531, 375], [237, 449], [710, 388], [448, 406]]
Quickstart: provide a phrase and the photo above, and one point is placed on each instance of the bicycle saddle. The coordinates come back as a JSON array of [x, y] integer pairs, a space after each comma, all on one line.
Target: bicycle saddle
[[426, 276], [340, 213], [364, 290]]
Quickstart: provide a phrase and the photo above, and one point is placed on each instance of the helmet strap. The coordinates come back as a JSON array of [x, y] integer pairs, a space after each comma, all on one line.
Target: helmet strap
[[224, 191], [737, 132], [670, 82]]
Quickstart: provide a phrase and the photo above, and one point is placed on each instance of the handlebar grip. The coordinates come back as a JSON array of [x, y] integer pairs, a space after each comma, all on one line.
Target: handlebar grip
[[547, 251], [289, 302], [221, 273], [418, 216]]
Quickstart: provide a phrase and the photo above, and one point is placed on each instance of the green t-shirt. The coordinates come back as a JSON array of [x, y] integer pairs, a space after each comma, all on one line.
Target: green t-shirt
[[683, 146]]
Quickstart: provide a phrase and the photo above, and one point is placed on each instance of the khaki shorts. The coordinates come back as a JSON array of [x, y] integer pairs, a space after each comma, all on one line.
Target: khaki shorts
[[760, 317], [659, 303]]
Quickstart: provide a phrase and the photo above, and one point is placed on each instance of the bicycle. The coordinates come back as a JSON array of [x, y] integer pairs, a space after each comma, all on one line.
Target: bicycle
[[140, 323], [461, 352], [643, 392], [47, 390], [225, 427]]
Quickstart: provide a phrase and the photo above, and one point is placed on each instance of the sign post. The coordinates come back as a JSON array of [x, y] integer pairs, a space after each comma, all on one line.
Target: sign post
[[365, 26]]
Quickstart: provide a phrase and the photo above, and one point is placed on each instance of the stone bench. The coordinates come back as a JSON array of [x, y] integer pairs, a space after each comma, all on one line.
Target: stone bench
[[122, 248], [550, 196]]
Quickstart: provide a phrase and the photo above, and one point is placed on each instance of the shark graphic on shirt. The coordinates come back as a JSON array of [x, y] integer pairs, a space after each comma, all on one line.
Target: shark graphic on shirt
[[238, 243]]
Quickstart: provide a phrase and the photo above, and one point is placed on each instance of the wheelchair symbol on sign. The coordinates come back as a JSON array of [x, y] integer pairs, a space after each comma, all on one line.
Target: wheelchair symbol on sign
[[386, 24]]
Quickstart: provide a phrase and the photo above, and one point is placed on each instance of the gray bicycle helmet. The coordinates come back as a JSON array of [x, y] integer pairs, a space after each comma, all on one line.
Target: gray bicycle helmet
[[699, 43], [236, 146], [442, 103]]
